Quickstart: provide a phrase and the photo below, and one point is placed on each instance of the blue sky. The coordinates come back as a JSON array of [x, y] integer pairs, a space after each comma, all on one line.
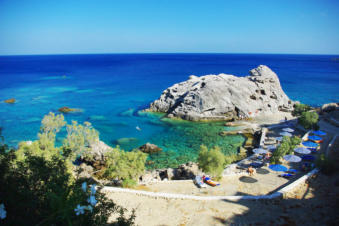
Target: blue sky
[[114, 26]]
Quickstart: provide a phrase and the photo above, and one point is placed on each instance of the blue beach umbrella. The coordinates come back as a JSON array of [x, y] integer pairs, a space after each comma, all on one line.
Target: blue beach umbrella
[[285, 134], [309, 144], [277, 167], [279, 139], [319, 133], [259, 151], [315, 138], [302, 150], [292, 158]]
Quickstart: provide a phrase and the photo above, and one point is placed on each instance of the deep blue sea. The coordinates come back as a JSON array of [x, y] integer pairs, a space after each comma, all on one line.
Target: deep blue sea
[[111, 89]]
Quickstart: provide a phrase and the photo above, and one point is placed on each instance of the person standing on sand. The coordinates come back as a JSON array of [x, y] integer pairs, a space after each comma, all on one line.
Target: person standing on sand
[[250, 170]]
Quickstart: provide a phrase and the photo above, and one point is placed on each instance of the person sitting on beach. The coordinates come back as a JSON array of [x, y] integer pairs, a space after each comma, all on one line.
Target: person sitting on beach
[[267, 156], [250, 170]]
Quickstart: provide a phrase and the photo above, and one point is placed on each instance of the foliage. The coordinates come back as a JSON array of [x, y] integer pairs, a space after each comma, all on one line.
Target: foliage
[[79, 138], [287, 146], [129, 183], [124, 165], [326, 165], [308, 120], [50, 126], [299, 109], [211, 161], [38, 188]]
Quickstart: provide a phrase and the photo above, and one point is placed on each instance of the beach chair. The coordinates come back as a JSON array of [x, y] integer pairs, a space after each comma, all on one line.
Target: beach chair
[[286, 175]]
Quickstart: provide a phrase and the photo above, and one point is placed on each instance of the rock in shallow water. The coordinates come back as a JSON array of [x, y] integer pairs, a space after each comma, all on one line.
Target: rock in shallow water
[[224, 97], [10, 101], [150, 148]]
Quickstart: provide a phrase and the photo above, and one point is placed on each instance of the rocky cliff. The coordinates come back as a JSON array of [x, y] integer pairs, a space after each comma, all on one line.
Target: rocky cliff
[[224, 97]]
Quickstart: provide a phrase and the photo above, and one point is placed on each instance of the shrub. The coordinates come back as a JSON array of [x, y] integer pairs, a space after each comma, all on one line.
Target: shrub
[[79, 138], [129, 183], [124, 165], [211, 161], [299, 109], [308, 120], [50, 126], [38, 188]]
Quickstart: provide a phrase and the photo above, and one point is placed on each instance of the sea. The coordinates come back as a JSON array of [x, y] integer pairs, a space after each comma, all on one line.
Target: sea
[[112, 89]]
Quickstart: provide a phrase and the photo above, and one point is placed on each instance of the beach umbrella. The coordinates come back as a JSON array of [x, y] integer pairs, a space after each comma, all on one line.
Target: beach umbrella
[[259, 151], [292, 158], [288, 130], [285, 134], [302, 150], [277, 167], [271, 147], [279, 139], [309, 144], [315, 138], [319, 133]]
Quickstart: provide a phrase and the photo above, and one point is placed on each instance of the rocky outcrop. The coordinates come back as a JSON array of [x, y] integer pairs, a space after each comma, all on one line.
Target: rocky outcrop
[[98, 151], [183, 172], [69, 110], [330, 107], [150, 148], [224, 97], [10, 101]]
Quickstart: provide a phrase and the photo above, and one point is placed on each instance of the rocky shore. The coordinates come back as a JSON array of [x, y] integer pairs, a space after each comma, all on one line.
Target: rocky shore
[[224, 97]]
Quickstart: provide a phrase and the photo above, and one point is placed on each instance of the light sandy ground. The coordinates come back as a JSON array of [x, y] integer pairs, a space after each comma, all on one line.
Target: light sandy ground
[[313, 204]]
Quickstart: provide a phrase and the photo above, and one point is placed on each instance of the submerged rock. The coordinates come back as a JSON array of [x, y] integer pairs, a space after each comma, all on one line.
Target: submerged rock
[[126, 140], [330, 107], [10, 101], [68, 110], [150, 148], [224, 97]]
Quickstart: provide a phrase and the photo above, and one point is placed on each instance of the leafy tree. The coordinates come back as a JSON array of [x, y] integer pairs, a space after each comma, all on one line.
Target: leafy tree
[[124, 165], [38, 188], [50, 126], [211, 161], [79, 138], [308, 120], [299, 109]]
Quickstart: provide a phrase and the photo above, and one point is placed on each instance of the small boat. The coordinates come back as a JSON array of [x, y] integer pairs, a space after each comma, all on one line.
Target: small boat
[[199, 182], [208, 181], [138, 128]]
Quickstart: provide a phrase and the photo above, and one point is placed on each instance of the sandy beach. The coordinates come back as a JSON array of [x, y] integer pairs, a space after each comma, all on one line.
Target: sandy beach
[[314, 194]]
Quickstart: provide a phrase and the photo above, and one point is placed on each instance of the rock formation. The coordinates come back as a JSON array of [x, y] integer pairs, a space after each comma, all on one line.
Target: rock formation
[[224, 97], [150, 148], [68, 110], [10, 101]]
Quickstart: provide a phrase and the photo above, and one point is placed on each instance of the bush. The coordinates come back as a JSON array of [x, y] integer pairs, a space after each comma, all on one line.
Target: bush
[[299, 109], [308, 120], [211, 161], [129, 183], [285, 148], [79, 138], [38, 188], [124, 165]]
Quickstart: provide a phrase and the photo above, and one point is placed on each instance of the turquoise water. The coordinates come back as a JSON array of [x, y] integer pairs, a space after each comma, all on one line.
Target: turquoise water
[[112, 89]]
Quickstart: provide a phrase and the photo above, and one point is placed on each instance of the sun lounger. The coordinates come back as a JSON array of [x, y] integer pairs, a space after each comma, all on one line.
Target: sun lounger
[[286, 175]]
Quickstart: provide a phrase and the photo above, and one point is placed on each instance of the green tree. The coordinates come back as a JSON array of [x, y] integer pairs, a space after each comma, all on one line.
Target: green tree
[[299, 109], [79, 138], [124, 165], [38, 188], [50, 126], [308, 119], [211, 161]]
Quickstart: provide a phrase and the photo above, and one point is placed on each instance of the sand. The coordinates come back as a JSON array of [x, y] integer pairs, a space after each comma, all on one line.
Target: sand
[[313, 203]]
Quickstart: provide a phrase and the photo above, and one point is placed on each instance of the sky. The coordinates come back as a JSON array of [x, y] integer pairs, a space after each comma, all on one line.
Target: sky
[[168, 26]]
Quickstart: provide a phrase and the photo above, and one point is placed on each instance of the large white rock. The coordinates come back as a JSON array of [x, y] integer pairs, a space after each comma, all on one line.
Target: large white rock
[[224, 97]]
